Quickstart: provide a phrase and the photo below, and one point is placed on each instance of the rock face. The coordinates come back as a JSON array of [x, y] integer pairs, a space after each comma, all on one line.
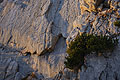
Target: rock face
[[34, 26], [89, 5], [34, 35], [15, 66]]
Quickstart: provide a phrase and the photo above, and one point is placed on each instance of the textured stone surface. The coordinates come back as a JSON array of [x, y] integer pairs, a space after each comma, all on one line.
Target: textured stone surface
[[43, 28], [97, 67], [90, 5], [102, 68], [34, 25], [8, 69], [14, 65]]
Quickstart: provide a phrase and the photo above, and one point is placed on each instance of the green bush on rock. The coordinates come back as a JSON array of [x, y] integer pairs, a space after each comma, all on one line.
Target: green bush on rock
[[117, 23], [86, 44]]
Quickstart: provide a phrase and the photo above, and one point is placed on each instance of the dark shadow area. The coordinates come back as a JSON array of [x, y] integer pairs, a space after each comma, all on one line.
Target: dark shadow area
[[98, 2], [1, 1]]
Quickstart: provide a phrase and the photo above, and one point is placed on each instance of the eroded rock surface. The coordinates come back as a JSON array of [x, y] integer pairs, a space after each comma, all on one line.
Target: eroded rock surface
[[16, 66], [35, 25], [90, 5], [34, 35]]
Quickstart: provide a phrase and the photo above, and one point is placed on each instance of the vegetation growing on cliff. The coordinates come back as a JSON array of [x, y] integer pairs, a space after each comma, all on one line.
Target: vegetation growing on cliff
[[117, 23], [86, 44]]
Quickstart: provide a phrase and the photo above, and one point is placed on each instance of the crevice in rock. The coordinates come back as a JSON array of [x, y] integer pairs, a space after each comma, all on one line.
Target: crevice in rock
[[47, 51], [35, 52], [7, 68], [47, 12], [26, 77], [1, 1], [7, 48], [104, 72], [115, 76], [101, 75], [9, 39], [47, 9], [98, 2], [28, 53]]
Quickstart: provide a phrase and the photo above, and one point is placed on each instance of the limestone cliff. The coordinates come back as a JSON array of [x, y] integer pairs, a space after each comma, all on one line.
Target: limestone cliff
[[34, 35]]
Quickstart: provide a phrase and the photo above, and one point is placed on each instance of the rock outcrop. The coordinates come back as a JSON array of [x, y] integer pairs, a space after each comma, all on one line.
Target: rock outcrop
[[35, 25], [90, 5], [15, 66], [34, 35]]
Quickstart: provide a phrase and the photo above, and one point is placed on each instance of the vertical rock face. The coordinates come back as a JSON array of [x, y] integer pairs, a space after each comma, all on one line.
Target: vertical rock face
[[35, 25], [34, 35]]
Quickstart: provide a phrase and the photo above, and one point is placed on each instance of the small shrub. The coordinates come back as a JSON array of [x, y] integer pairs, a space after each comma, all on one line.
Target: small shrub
[[86, 44], [117, 23]]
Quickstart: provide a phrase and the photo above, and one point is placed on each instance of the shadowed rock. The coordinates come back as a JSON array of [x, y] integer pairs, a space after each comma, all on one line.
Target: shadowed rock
[[1, 1]]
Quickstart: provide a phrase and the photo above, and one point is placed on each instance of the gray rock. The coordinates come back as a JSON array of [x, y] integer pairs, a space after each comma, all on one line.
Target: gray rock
[[39, 76], [48, 65], [25, 24], [8, 69], [73, 34], [43, 28], [11, 70], [97, 66], [18, 76]]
